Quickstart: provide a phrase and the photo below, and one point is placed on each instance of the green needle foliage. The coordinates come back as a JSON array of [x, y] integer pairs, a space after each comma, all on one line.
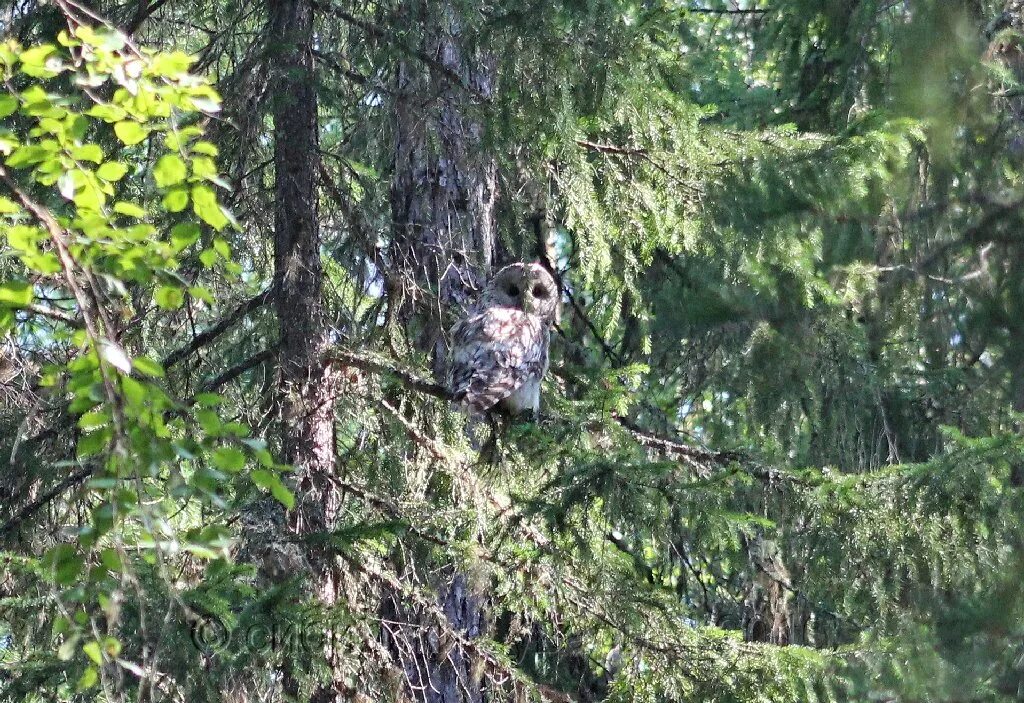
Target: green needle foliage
[[779, 456]]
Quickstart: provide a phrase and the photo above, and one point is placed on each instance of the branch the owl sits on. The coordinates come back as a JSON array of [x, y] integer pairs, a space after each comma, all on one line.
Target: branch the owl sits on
[[499, 350]]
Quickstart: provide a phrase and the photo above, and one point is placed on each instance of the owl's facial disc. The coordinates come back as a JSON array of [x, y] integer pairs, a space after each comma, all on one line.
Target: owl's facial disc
[[528, 288]]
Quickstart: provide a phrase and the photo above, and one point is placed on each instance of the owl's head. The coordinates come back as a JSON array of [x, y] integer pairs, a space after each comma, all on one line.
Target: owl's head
[[528, 287]]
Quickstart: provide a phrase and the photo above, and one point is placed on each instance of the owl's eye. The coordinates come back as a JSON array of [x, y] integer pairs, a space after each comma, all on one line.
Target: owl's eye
[[512, 290], [540, 291]]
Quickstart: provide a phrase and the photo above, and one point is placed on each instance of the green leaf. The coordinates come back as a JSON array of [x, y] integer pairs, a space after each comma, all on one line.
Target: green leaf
[[112, 646], [169, 297], [93, 443], [88, 679], [136, 393], [93, 419], [209, 421], [169, 170], [103, 514], [171, 64], [202, 147], [204, 202], [89, 197], [176, 200], [28, 155], [184, 235], [112, 171], [231, 459], [148, 367], [264, 479], [111, 559], [258, 447], [88, 152], [283, 495], [46, 263], [60, 625], [107, 112], [221, 246], [237, 429], [36, 56], [129, 209], [8, 206], [203, 167], [130, 132], [63, 563], [77, 128], [201, 550], [15, 294], [92, 650], [202, 293], [8, 104]]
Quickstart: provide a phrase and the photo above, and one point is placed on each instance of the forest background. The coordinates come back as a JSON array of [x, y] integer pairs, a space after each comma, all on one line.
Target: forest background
[[779, 454]]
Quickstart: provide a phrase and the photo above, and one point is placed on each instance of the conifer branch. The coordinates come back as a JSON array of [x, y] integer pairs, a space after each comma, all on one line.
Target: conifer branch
[[726, 11], [24, 513], [407, 379], [214, 331]]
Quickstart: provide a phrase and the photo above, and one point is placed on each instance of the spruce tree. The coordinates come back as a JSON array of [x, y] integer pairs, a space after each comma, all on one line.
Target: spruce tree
[[779, 452]]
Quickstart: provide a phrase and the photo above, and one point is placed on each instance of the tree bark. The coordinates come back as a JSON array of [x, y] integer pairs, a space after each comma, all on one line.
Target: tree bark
[[444, 246], [308, 413], [443, 193], [308, 384]]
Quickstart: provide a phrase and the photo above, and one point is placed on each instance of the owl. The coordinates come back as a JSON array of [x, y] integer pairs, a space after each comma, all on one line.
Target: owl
[[499, 351]]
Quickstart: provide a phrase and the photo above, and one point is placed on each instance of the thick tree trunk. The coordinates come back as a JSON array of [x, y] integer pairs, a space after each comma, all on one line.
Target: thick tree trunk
[[307, 428], [444, 246], [768, 607], [435, 668], [443, 193], [308, 413]]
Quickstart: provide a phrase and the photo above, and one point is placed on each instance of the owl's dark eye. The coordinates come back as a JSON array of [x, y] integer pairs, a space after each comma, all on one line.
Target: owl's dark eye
[[512, 290], [540, 291]]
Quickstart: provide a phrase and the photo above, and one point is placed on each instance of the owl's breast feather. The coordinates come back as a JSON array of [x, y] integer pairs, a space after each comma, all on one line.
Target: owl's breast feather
[[495, 352]]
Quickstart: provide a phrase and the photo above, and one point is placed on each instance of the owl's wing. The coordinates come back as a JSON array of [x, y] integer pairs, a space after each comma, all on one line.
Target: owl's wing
[[494, 353]]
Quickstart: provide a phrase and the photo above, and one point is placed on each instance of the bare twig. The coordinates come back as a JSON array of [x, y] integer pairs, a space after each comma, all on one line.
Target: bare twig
[[239, 368], [725, 11], [70, 481], [220, 327], [54, 313], [87, 305], [406, 378], [389, 36]]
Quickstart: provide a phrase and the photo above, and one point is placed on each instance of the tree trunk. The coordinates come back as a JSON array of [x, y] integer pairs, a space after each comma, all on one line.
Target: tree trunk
[[308, 413], [308, 387], [444, 246], [443, 193]]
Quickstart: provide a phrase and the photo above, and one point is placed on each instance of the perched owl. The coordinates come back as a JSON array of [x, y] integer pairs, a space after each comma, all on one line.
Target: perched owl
[[500, 350]]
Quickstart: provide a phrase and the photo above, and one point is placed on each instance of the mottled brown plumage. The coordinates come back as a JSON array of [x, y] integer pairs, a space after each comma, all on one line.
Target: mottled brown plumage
[[499, 351]]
